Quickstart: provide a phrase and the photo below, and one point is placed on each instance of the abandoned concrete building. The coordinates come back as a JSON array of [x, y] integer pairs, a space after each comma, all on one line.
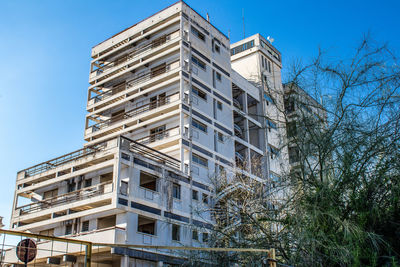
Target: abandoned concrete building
[[171, 104]]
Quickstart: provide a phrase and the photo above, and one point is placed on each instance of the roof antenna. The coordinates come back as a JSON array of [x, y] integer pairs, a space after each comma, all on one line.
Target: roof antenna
[[244, 35], [208, 18]]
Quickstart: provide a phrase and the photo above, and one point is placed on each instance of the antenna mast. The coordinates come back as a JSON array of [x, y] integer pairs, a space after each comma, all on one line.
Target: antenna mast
[[244, 35]]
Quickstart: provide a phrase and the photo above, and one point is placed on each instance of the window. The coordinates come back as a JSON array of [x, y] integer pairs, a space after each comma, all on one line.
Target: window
[[199, 160], [146, 225], [219, 105], [157, 133], [205, 237], [124, 188], [219, 169], [48, 232], [195, 235], [71, 186], [199, 125], [88, 182], [199, 63], [176, 191], [271, 125], [241, 48], [289, 105], [273, 152], [291, 129], [218, 76], [199, 93], [85, 226], [198, 34], [217, 48], [262, 61], [68, 229], [195, 195], [148, 181], [205, 198], [106, 222], [220, 137], [50, 193], [294, 155], [176, 232], [267, 98]]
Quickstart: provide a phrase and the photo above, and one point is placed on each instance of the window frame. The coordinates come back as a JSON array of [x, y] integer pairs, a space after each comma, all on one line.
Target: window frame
[[198, 34], [177, 231], [199, 63], [195, 193], [178, 191], [199, 125], [200, 160], [199, 93]]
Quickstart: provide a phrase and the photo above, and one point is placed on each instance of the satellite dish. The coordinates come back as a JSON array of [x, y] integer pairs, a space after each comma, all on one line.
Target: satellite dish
[[270, 39]]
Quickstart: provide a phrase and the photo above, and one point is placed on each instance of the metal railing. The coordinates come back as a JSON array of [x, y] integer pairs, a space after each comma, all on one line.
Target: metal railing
[[84, 193], [238, 130], [159, 136], [136, 111], [139, 78], [150, 153], [54, 163], [237, 104], [104, 68]]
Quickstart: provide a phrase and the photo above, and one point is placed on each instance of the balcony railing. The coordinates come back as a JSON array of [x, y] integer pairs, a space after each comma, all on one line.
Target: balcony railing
[[238, 130], [159, 136], [81, 194], [105, 68], [139, 78], [54, 163], [150, 153], [136, 111], [237, 104]]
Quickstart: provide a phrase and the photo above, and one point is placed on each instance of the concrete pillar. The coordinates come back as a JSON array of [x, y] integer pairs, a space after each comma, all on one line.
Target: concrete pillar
[[160, 264], [125, 261]]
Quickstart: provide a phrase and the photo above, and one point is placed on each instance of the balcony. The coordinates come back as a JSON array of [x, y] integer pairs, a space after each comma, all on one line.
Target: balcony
[[54, 163], [175, 131], [150, 153], [238, 130], [82, 194], [104, 71], [116, 120], [139, 78], [237, 104]]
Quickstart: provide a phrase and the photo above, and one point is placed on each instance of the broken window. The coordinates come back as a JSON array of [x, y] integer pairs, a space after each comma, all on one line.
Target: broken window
[[85, 226], [158, 70], [50, 193], [106, 222], [148, 181], [146, 225], [176, 236], [195, 235], [157, 133], [176, 191], [195, 195]]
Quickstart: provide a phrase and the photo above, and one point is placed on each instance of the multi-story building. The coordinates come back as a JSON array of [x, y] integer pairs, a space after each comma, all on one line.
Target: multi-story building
[[170, 104]]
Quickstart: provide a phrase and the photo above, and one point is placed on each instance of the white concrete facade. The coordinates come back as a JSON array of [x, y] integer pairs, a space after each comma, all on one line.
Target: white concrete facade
[[168, 109]]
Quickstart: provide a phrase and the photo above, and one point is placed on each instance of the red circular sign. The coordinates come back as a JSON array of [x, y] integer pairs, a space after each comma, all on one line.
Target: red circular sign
[[26, 250]]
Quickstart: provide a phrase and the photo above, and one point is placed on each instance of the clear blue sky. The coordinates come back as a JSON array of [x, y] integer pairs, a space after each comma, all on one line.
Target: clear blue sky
[[45, 53]]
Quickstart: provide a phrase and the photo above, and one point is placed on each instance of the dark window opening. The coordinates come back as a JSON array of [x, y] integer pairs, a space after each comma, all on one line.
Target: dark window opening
[[148, 181], [176, 236], [176, 191], [146, 225]]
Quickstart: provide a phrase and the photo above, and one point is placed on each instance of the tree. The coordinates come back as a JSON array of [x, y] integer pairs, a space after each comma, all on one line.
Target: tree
[[339, 205]]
